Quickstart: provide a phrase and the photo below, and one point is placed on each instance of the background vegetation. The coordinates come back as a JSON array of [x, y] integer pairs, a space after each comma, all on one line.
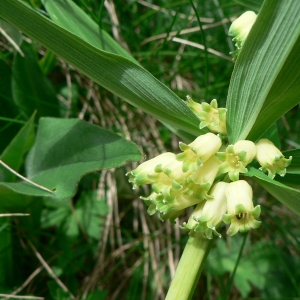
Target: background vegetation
[[102, 244]]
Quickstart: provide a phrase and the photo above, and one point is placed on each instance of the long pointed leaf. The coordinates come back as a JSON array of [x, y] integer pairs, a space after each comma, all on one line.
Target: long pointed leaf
[[295, 164], [288, 196], [117, 74], [261, 88], [68, 15]]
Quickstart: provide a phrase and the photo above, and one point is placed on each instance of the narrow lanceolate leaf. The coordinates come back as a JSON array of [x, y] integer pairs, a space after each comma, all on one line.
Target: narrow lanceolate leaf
[[32, 90], [288, 196], [294, 167], [115, 73], [266, 77], [71, 17], [67, 149], [251, 4]]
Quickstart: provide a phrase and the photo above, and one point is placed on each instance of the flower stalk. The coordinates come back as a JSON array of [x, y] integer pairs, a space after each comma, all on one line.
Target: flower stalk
[[189, 268]]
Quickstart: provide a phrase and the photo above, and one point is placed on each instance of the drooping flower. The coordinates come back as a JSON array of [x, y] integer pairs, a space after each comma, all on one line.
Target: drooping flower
[[236, 158], [208, 217], [241, 213], [144, 173], [170, 205], [154, 201], [240, 29], [271, 159], [172, 192], [199, 151]]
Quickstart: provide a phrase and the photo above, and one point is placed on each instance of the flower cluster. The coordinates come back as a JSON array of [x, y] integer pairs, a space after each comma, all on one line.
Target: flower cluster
[[207, 174]]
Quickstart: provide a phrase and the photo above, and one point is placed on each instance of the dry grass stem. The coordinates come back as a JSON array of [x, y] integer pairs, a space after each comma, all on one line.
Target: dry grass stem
[[172, 12], [184, 31], [14, 215], [9, 296], [12, 42], [24, 178], [49, 270]]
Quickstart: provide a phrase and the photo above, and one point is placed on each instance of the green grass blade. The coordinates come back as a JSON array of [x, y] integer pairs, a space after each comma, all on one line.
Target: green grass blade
[[32, 90], [295, 164], [264, 84], [68, 15], [288, 196], [115, 73], [251, 4]]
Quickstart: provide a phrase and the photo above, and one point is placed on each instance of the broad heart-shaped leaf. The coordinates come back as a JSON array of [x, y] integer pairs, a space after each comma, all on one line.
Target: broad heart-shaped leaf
[[288, 196], [31, 88], [68, 15], [265, 81], [115, 73], [15, 151], [67, 149]]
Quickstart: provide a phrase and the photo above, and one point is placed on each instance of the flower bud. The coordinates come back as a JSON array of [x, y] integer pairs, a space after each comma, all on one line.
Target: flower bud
[[240, 29], [143, 173], [271, 159], [240, 210], [199, 151], [236, 158]]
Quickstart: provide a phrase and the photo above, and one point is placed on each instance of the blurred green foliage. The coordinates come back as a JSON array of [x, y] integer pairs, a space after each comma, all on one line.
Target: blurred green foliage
[[101, 244]]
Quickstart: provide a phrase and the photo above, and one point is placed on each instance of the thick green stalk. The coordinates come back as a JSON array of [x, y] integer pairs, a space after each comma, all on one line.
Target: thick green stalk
[[189, 268]]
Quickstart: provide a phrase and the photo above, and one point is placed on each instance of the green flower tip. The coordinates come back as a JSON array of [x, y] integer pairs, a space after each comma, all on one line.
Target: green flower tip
[[241, 214], [271, 159], [213, 118], [240, 29], [236, 158], [210, 115], [194, 106]]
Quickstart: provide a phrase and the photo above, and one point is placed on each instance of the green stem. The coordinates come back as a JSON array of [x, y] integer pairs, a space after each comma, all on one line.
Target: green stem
[[229, 284], [189, 268]]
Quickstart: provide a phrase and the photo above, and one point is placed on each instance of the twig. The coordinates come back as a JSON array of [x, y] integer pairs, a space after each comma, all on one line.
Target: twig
[[24, 178], [14, 215], [21, 297], [49, 270], [28, 280], [184, 31], [199, 46], [172, 12], [11, 41]]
